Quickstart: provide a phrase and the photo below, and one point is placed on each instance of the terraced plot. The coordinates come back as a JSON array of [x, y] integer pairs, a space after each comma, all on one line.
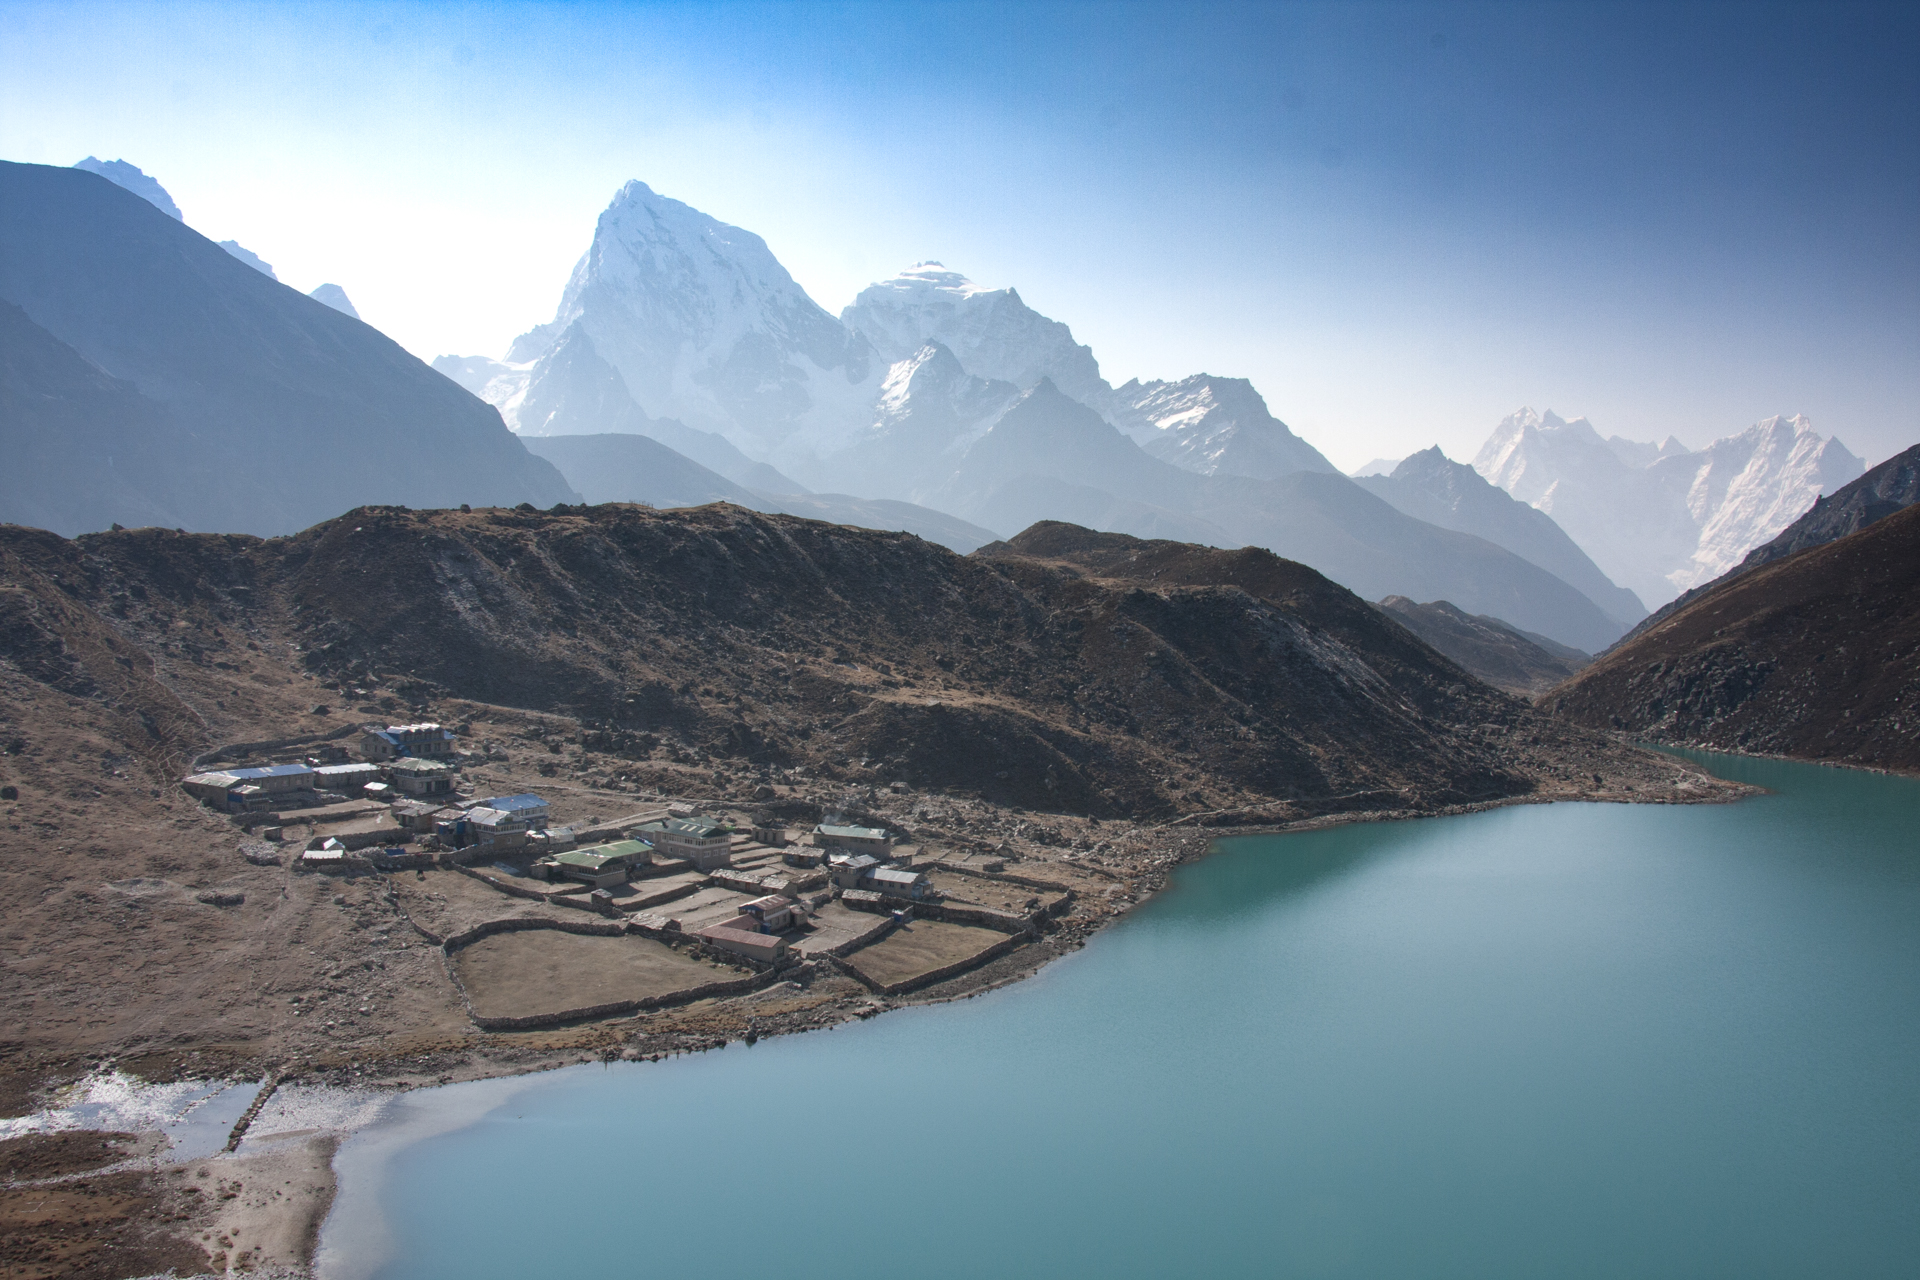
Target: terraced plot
[[543, 971], [919, 948]]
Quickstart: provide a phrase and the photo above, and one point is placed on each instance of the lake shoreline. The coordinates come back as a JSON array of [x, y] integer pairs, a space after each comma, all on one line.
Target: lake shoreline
[[1143, 860], [1082, 994]]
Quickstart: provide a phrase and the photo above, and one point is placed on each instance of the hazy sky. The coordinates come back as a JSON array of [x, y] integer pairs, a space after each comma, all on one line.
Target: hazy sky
[[1401, 221]]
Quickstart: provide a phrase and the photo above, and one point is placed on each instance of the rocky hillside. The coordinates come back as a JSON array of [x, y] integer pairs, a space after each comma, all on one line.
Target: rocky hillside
[[1815, 656], [608, 656], [1487, 647], [1080, 672]]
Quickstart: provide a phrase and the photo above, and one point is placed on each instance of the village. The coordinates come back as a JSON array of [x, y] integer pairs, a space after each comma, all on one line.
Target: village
[[544, 923]]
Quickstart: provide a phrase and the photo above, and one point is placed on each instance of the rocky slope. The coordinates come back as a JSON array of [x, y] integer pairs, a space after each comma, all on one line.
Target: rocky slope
[[1065, 669], [238, 403], [1487, 647], [1815, 656], [1676, 519]]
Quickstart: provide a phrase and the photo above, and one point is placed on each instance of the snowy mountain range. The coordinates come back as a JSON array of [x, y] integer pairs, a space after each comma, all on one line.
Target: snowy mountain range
[[935, 400], [936, 391], [1661, 518]]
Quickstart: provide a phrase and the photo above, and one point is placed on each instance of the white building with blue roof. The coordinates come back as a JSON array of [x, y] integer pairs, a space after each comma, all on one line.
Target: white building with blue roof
[[529, 810], [425, 741]]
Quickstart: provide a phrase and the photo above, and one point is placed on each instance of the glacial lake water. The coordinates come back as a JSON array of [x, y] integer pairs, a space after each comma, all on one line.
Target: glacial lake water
[[1561, 1040]]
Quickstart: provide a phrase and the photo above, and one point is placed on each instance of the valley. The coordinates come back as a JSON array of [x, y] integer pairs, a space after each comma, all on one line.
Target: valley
[[1085, 709]]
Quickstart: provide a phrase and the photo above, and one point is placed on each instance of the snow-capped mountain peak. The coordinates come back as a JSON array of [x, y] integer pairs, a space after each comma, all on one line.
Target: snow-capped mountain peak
[[1660, 518], [992, 332], [923, 278], [1747, 487], [1211, 425], [705, 325]]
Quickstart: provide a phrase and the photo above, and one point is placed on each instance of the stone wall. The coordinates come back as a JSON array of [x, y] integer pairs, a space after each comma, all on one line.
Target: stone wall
[[1005, 877], [932, 976], [954, 913], [721, 987]]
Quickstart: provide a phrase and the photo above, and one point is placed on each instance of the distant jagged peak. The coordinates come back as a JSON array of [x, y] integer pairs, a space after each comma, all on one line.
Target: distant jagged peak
[[1527, 418], [1781, 437], [251, 258], [1211, 425], [1191, 397], [129, 176], [992, 332], [704, 325], [336, 297], [1507, 451], [1431, 460], [674, 254], [934, 370], [931, 364]]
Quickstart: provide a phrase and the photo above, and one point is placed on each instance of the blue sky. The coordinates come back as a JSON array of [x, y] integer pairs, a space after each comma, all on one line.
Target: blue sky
[[1401, 221]]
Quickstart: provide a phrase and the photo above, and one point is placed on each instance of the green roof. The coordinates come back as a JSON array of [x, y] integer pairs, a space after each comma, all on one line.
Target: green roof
[[586, 859], [619, 848]]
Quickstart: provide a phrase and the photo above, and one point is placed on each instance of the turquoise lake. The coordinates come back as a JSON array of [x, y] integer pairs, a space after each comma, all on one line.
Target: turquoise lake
[[1547, 1041]]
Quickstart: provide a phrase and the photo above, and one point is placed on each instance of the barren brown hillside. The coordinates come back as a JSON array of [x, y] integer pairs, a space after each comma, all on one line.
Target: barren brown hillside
[[1815, 656]]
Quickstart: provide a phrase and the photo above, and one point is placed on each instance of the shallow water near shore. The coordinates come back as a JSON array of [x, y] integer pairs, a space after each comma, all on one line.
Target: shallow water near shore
[[1570, 1040]]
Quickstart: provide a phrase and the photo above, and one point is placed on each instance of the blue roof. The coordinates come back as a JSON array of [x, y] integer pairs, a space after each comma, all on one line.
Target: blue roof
[[513, 804], [268, 771]]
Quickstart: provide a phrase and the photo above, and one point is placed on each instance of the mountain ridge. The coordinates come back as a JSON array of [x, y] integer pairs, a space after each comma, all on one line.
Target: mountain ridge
[[268, 409], [1432, 487]]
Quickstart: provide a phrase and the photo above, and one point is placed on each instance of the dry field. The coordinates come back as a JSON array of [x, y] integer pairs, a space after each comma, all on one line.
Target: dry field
[[542, 971], [920, 947]]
